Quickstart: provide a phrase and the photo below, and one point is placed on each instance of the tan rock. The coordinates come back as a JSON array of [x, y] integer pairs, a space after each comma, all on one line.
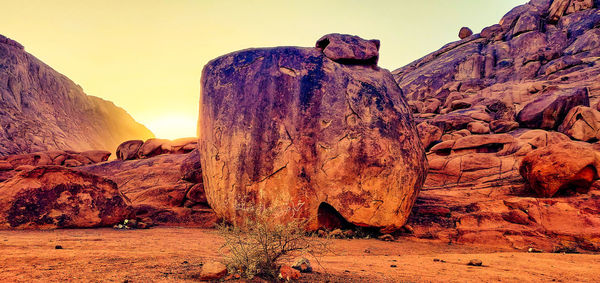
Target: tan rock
[[581, 123], [478, 128], [212, 270], [129, 150]]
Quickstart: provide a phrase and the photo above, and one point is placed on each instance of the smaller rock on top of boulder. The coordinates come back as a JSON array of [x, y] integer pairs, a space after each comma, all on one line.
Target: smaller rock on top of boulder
[[465, 32], [349, 49]]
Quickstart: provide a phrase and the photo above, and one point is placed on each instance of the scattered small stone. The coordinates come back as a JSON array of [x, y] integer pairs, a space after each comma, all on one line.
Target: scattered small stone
[[337, 233], [387, 238], [349, 233], [534, 250], [438, 260], [322, 233], [393, 265], [58, 247], [367, 251], [185, 262], [303, 265], [212, 270], [475, 262]]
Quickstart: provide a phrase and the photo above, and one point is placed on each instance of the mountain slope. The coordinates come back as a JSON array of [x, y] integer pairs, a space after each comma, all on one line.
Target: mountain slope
[[41, 109], [485, 103]]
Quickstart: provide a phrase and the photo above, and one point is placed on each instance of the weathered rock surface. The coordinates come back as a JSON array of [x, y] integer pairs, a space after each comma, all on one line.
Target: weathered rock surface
[[582, 123], [564, 166], [292, 130], [137, 149], [56, 197], [534, 73], [42, 110], [160, 189]]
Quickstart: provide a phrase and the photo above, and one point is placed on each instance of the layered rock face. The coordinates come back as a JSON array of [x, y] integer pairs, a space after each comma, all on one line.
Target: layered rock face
[[486, 102], [57, 197], [41, 110], [306, 132]]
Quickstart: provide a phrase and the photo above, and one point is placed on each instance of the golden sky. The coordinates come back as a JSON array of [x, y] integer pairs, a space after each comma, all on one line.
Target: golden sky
[[147, 55]]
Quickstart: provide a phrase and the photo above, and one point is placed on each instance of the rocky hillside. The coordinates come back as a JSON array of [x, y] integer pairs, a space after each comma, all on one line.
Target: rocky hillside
[[524, 89], [40, 109]]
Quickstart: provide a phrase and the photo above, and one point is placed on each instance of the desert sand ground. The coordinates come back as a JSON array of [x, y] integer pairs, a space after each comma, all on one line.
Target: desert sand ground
[[176, 254]]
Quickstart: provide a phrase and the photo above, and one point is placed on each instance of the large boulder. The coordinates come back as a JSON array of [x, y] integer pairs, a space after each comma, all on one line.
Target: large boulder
[[57, 197], [292, 130], [546, 112], [582, 123], [564, 166]]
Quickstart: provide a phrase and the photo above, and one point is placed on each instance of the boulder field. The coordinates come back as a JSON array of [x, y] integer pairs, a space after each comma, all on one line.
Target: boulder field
[[491, 140], [310, 133], [509, 118], [160, 187]]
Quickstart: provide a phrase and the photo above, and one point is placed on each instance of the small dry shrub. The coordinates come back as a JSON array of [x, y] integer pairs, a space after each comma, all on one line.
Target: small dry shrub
[[256, 247]]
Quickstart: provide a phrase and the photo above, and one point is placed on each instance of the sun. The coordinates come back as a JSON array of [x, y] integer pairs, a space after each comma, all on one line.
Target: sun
[[172, 126]]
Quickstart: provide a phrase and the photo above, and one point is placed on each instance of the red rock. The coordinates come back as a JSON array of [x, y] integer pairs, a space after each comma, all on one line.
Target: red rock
[[5, 166], [212, 270], [428, 134], [332, 134], [517, 216], [129, 150], [55, 113], [156, 190], [191, 169], [56, 197], [351, 49], [196, 194], [287, 273], [541, 138], [503, 126], [563, 166], [465, 32]]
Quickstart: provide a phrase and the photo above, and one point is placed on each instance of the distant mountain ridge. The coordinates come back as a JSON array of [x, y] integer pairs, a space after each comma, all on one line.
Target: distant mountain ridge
[[41, 109]]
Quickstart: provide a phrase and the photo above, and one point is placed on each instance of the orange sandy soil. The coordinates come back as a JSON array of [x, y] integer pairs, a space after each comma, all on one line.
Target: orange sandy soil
[[176, 254]]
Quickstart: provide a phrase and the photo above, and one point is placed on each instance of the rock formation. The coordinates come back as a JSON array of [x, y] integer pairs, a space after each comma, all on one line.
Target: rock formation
[[137, 149], [164, 189], [308, 133], [10, 165], [486, 102], [42, 110], [56, 197]]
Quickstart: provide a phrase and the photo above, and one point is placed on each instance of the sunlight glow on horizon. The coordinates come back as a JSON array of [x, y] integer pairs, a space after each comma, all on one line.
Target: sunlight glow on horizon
[[147, 56]]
